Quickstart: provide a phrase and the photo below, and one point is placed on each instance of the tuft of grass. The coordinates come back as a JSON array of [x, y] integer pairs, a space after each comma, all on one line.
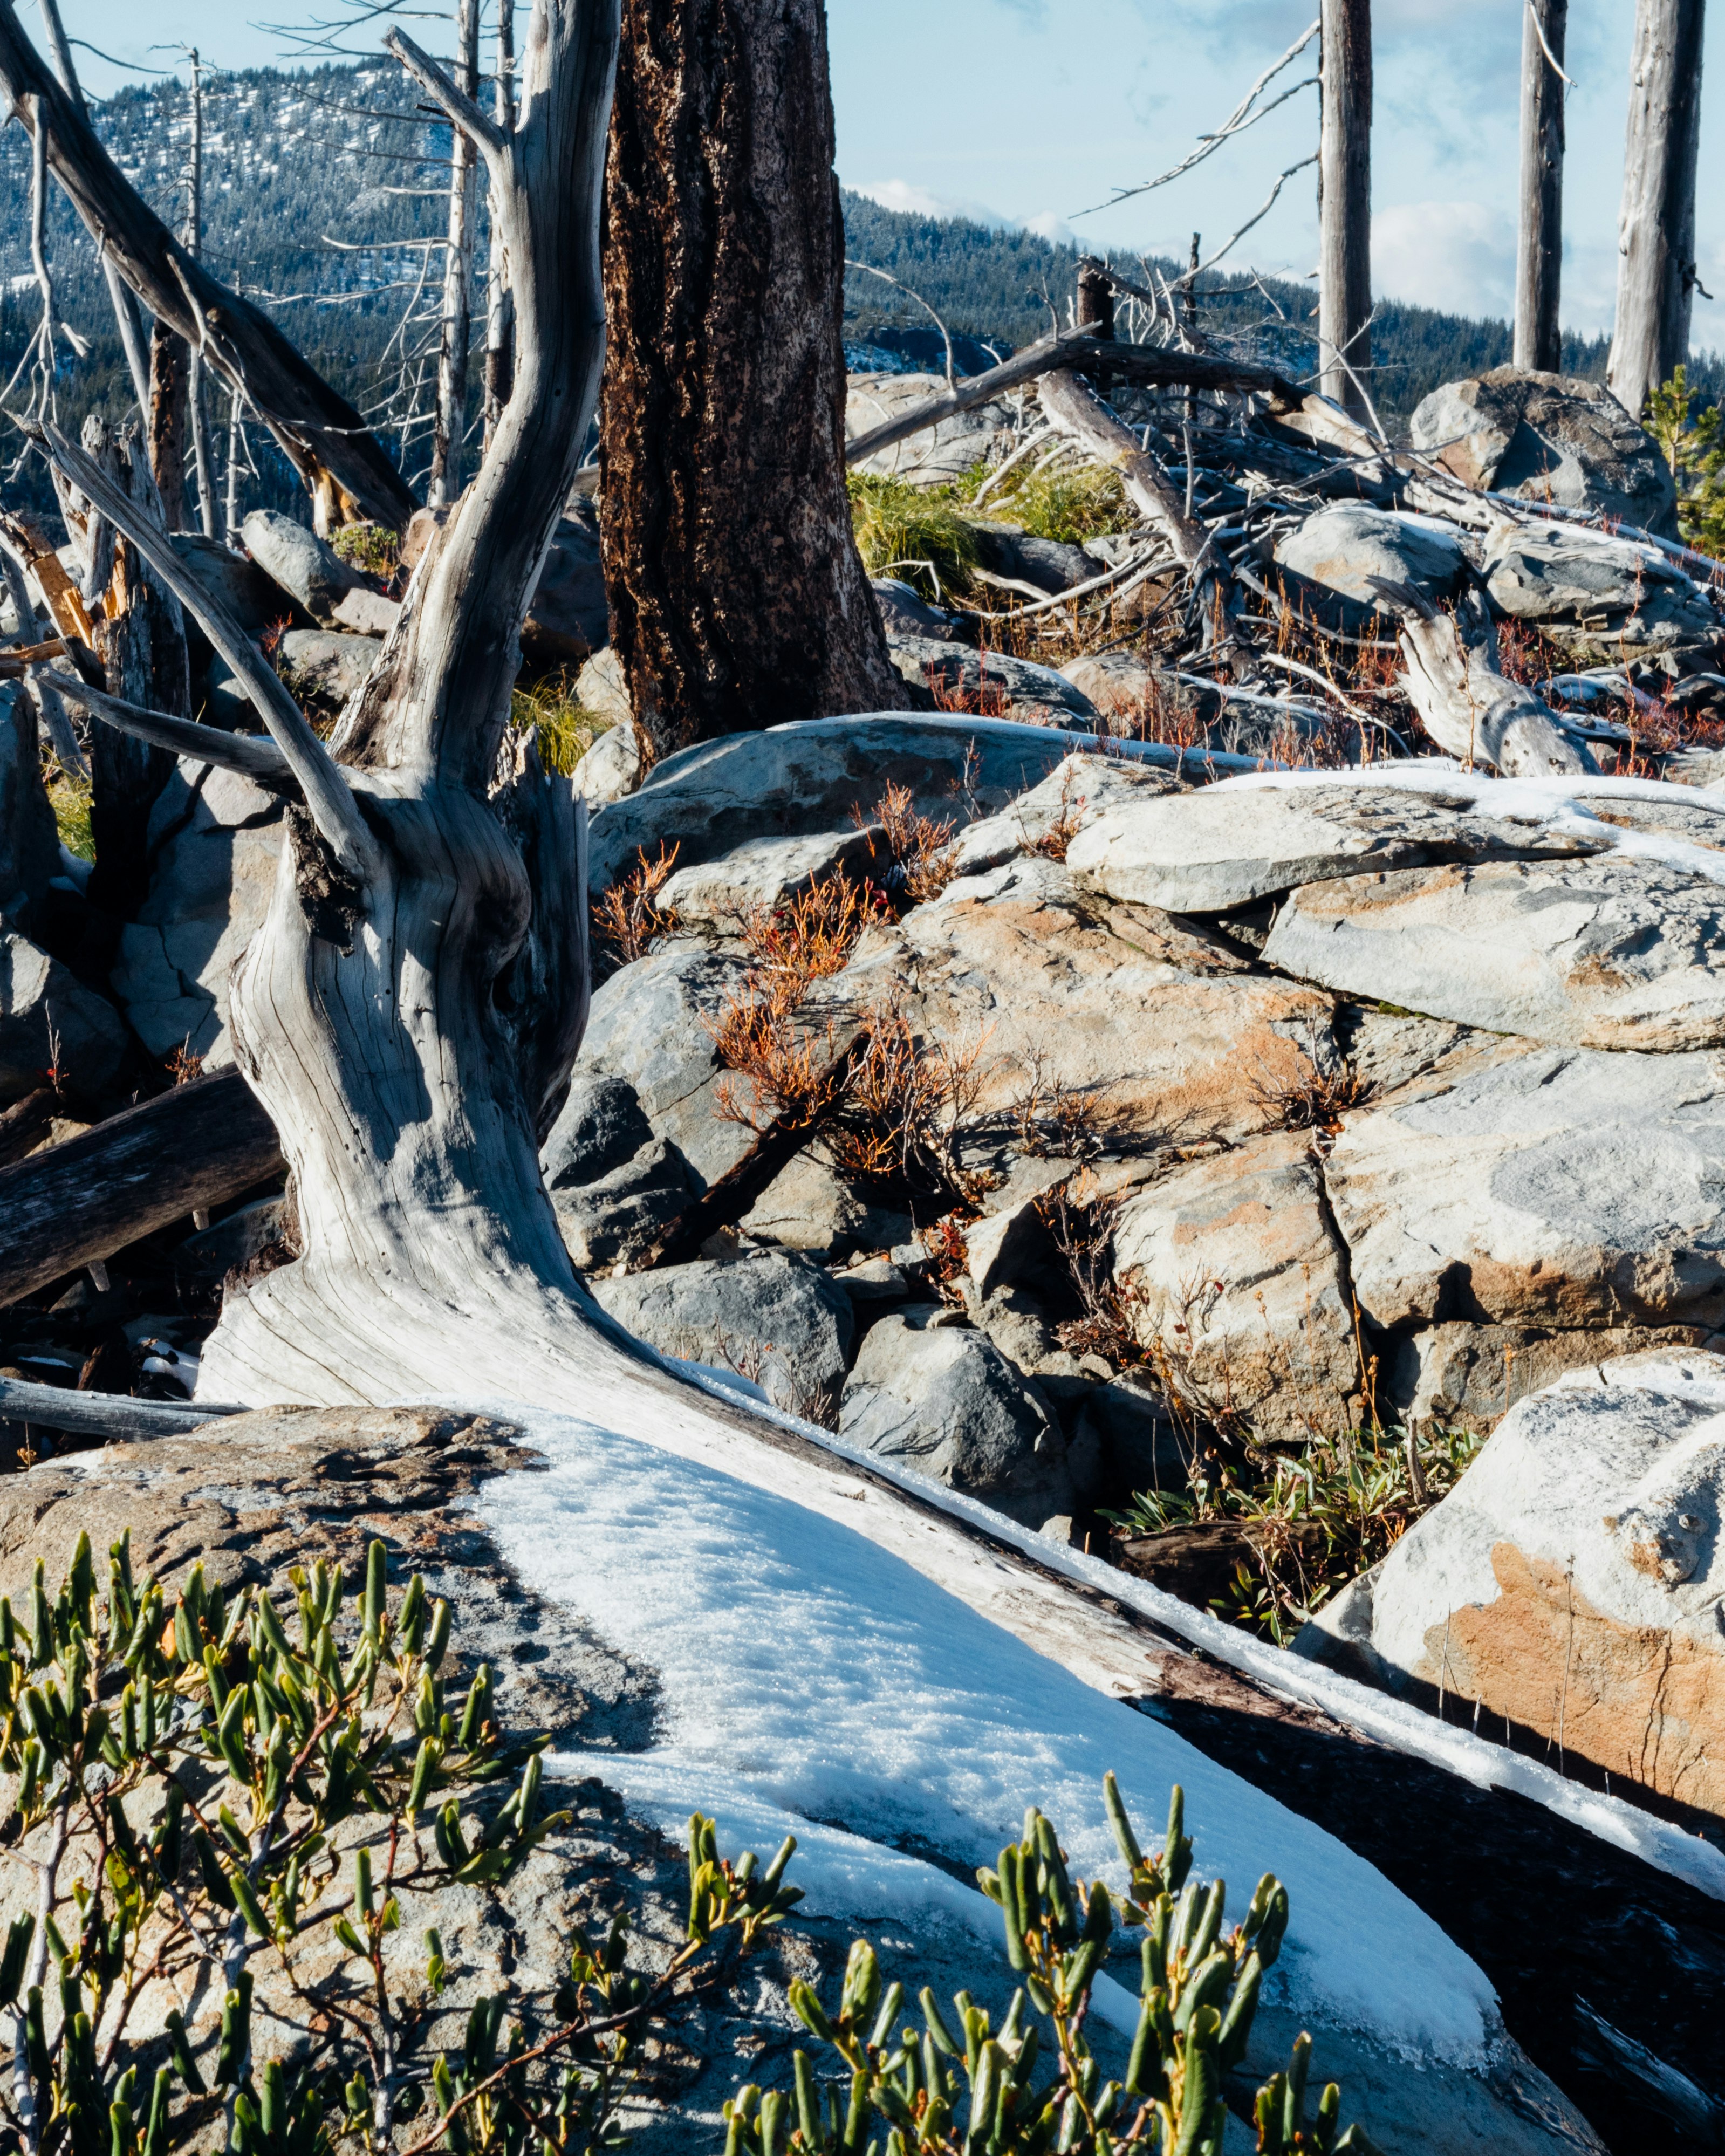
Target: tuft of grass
[[562, 729], [372, 547], [1061, 503], [69, 799], [914, 533]]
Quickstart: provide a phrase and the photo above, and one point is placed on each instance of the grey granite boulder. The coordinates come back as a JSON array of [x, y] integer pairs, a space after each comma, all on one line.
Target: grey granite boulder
[[944, 1400], [1551, 437], [257, 602], [773, 1316], [904, 612], [1552, 1188], [614, 1186], [48, 1019], [324, 664], [611, 767], [816, 776], [1051, 814], [1573, 1581], [1600, 598], [214, 841], [601, 689], [1348, 546], [962, 679], [567, 617], [809, 1206], [1616, 951], [938, 455], [1230, 845], [306, 568], [762, 873]]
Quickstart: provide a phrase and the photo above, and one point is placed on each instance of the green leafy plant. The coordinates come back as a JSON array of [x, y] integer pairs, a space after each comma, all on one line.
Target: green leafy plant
[[1693, 445], [218, 1795], [375, 548], [958, 2086], [1313, 1521]]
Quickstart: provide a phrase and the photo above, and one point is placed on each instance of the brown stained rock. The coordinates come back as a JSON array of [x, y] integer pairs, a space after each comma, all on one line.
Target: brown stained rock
[[1645, 1704], [1165, 1033], [1573, 1581], [1473, 1373], [1237, 1277]]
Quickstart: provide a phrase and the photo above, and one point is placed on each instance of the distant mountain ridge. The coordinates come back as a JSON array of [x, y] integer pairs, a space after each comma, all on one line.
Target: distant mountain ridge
[[322, 189]]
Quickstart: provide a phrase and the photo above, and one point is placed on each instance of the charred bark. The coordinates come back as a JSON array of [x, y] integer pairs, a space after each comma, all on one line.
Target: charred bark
[[1345, 204], [737, 596], [169, 370], [1655, 228], [1539, 250]]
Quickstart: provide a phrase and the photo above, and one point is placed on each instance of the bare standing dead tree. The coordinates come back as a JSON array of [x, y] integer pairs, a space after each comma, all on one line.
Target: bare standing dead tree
[[1539, 246], [344, 467], [499, 320], [451, 421], [1656, 278], [196, 402], [737, 596], [1345, 203]]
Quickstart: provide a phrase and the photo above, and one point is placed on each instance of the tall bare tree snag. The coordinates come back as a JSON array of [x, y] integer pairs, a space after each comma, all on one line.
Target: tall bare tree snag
[[344, 467], [1539, 245], [410, 1008], [1656, 228], [1345, 203], [499, 318], [169, 368], [450, 421], [737, 596]]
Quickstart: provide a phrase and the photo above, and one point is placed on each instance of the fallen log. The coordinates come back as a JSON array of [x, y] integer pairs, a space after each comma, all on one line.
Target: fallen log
[[1467, 706], [200, 1145], [115, 1418]]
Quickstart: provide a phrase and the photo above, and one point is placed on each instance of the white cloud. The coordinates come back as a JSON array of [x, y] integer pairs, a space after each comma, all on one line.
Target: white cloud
[[1049, 225], [1459, 256], [923, 201]]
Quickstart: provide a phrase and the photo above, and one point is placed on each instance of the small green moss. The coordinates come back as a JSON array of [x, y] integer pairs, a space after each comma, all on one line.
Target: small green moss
[[372, 547]]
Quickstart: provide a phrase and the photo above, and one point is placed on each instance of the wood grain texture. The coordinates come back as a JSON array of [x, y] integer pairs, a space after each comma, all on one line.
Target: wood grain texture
[[1656, 227], [201, 1145], [1345, 203], [1539, 243]]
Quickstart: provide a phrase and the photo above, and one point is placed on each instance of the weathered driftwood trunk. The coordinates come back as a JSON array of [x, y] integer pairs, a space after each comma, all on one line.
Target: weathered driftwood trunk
[[1539, 245], [1467, 705], [1345, 204], [738, 598], [1656, 228]]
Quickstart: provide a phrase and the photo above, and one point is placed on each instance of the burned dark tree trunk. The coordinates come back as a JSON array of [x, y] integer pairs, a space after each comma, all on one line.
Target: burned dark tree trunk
[[1345, 204], [169, 373], [737, 597], [1539, 251], [1656, 228]]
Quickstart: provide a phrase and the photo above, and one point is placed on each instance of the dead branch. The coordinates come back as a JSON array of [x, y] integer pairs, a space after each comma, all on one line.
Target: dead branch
[[1465, 703], [261, 760]]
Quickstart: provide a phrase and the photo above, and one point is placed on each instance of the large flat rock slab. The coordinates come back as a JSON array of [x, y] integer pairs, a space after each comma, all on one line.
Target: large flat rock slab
[[1622, 951], [1168, 1037], [1573, 1580], [1555, 1187], [1229, 846]]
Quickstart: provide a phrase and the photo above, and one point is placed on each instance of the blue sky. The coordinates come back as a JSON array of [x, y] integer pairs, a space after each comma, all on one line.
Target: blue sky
[[1028, 111]]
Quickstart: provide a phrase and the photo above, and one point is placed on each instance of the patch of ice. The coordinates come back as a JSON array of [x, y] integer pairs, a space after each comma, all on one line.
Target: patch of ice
[[812, 1680]]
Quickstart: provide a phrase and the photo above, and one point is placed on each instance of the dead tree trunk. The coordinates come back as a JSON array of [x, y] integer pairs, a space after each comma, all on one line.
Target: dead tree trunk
[[1539, 246], [344, 467], [737, 597], [450, 421], [500, 321], [1656, 228], [196, 404], [169, 367], [1345, 204]]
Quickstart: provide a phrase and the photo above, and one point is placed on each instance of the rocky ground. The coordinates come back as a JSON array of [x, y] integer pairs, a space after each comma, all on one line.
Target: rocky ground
[[1129, 1088]]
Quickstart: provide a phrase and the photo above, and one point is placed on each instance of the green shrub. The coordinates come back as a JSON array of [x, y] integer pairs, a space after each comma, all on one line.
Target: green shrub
[[235, 1792], [372, 547], [914, 533], [563, 729], [1694, 447], [1063, 503], [959, 2088]]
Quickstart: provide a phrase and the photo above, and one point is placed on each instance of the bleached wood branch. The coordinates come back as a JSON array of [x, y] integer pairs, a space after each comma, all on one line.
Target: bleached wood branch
[[868, 269], [1465, 702], [333, 808], [258, 759], [43, 692], [461, 110]]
